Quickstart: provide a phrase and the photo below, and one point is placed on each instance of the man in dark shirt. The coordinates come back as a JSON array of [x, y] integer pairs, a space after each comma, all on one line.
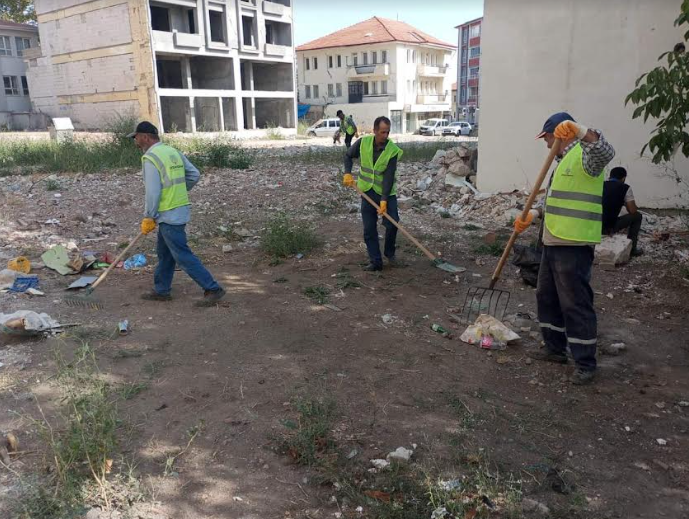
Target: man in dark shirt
[[616, 195], [380, 185]]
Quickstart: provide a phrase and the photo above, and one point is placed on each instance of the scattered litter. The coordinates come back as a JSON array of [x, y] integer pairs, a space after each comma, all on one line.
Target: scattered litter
[[20, 264], [34, 292], [52, 221], [683, 403], [123, 327], [27, 322], [450, 485], [136, 261], [7, 277], [82, 282], [352, 453], [23, 283], [661, 441], [489, 333], [227, 248], [439, 329], [400, 454], [57, 259], [12, 442], [614, 349], [387, 318], [609, 295], [332, 307], [380, 464], [244, 233], [299, 256]]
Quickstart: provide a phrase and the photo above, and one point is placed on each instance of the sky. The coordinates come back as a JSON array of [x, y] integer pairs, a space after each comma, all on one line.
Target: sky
[[316, 18]]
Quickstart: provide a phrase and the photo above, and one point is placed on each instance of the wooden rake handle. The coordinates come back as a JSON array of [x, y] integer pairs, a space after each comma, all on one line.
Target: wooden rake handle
[[423, 249], [102, 277], [527, 207]]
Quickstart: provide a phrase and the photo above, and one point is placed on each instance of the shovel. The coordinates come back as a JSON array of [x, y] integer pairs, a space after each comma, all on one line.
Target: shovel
[[437, 262], [87, 299], [490, 300]]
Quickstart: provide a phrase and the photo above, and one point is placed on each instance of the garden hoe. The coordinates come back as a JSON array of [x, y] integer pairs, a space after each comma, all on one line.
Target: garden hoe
[[490, 300], [437, 262], [87, 299]]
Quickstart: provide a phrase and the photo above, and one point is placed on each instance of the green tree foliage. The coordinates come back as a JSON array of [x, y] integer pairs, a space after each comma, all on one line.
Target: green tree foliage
[[663, 93], [21, 11]]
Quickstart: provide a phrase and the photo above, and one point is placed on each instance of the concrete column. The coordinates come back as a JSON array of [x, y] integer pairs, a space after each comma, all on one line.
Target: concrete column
[[222, 115], [238, 102], [186, 73], [192, 115], [249, 69]]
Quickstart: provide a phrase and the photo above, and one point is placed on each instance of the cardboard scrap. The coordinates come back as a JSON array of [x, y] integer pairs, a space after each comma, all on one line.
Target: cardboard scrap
[[82, 282]]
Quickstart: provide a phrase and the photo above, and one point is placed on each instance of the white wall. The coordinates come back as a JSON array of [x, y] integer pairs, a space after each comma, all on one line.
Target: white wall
[[540, 57], [363, 113], [14, 66]]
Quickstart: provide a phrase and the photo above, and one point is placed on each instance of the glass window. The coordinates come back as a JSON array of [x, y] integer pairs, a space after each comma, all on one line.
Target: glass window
[[355, 59], [330, 62], [5, 46], [475, 30], [384, 86], [307, 64], [473, 72], [331, 90], [374, 87], [11, 88], [307, 93], [338, 90], [315, 63], [22, 44], [364, 58], [339, 61], [474, 52], [25, 86], [315, 92], [374, 57], [408, 56], [365, 88], [384, 56]]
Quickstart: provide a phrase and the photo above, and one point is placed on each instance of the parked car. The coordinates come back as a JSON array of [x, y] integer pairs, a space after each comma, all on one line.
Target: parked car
[[324, 128], [433, 126], [457, 128]]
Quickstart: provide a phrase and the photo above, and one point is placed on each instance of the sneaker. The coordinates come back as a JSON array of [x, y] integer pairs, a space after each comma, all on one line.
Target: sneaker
[[547, 356], [371, 267], [155, 296], [211, 297], [582, 377]]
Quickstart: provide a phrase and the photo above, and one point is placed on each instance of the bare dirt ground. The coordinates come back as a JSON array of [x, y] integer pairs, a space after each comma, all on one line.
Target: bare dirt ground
[[222, 381]]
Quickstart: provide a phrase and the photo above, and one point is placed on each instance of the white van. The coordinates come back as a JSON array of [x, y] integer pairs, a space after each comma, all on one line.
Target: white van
[[433, 126], [324, 128]]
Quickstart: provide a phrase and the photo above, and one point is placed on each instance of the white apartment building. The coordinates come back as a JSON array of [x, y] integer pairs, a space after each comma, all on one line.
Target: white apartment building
[[15, 103], [378, 67], [187, 65]]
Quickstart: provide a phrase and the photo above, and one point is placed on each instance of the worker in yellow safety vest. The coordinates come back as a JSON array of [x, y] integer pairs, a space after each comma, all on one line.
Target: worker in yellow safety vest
[[378, 156], [348, 127], [168, 177], [573, 216]]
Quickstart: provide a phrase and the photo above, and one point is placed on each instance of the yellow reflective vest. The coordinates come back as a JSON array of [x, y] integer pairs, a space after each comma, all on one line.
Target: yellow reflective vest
[[168, 161], [371, 175]]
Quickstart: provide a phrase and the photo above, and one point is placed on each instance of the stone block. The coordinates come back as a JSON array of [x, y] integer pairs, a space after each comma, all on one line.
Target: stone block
[[613, 250]]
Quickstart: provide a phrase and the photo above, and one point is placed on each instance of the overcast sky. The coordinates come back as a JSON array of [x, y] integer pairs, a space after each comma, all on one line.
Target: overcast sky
[[316, 18]]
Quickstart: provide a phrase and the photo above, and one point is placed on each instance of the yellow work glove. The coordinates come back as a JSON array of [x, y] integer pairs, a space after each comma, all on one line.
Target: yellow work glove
[[147, 225], [348, 180], [521, 225], [383, 207], [567, 130]]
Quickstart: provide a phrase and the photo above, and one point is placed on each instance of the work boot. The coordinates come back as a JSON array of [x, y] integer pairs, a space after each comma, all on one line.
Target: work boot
[[372, 267], [548, 356], [637, 252], [581, 377], [211, 297], [395, 263], [155, 296]]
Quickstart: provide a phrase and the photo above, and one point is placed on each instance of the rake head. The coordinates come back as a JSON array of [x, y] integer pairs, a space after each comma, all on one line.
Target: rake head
[[489, 301], [85, 301]]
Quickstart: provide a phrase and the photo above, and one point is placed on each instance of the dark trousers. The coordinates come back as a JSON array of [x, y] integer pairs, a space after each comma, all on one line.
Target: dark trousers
[[369, 215], [348, 139], [565, 303], [172, 249], [633, 221]]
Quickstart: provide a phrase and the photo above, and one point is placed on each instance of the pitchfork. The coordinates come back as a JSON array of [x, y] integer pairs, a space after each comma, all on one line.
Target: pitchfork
[[491, 300]]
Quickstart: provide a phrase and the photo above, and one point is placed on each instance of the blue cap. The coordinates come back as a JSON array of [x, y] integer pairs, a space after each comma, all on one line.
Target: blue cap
[[552, 122]]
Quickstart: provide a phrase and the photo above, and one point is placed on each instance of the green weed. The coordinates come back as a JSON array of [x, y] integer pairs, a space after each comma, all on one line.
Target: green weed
[[470, 227], [345, 280], [52, 185], [308, 439], [273, 133], [131, 389], [282, 238], [318, 294], [493, 249]]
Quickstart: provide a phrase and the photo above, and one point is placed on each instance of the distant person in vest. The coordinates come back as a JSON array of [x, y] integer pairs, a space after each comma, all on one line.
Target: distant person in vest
[[573, 213], [348, 127], [168, 177], [378, 156], [616, 195]]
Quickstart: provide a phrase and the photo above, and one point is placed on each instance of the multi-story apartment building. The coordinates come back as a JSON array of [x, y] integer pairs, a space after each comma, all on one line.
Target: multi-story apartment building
[[15, 103], [469, 68], [378, 67], [188, 65]]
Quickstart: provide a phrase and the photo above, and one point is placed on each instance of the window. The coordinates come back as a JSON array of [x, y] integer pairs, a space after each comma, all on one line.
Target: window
[[11, 88], [339, 61], [160, 18], [355, 59], [315, 65], [315, 91], [463, 73], [307, 92], [474, 52], [21, 44], [374, 87], [384, 56], [464, 55], [338, 89], [331, 90], [463, 95], [475, 31], [465, 35], [409, 90], [365, 88], [413, 56], [330, 62], [374, 57], [191, 18], [384, 86], [414, 90], [308, 66], [473, 72], [217, 23], [25, 86], [408, 56], [364, 58], [247, 31], [269, 34], [473, 92], [5, 46]]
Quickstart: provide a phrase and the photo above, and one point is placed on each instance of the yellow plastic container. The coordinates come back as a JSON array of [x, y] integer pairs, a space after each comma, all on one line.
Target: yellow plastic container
[[20, 264]]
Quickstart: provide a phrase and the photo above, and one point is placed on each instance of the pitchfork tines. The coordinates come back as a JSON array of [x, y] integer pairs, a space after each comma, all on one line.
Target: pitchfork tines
[[491, 301]]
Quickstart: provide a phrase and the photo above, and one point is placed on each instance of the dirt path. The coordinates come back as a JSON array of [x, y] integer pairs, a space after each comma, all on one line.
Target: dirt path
[[230, 374]]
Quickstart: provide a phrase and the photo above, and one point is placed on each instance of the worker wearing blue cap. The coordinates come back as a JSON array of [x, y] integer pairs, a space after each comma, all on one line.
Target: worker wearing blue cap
[[573, 214]]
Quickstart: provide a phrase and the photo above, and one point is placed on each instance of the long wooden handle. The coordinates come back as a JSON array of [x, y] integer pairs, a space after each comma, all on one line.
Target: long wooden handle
[[428, 253], [527, 207], [102, 277]]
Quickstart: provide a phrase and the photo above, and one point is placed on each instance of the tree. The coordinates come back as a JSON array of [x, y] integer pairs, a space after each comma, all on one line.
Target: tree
[[663, 93], [21, 11]]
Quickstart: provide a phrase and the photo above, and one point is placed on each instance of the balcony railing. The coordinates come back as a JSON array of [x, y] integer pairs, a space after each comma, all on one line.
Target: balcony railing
[[273, 8], [276, 50], [431, 99], [360, 71], [431, 71]]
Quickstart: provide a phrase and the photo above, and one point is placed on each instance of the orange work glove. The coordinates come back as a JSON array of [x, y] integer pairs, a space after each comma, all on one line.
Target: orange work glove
[[383, 207], [348, 180], [567, 130], [521, 225], [147, 225]]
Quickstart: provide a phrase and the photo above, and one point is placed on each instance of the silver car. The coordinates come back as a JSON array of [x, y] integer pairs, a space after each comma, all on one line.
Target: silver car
[[458, 128]]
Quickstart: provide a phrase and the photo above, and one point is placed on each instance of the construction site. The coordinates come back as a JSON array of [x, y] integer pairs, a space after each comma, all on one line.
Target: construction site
[[305, 382]]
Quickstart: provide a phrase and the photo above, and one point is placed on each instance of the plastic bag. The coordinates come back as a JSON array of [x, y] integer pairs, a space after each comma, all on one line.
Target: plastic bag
[[528, 259], [136, 261]]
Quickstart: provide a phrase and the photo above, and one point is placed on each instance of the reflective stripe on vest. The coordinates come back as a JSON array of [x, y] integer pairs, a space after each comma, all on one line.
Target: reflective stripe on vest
[[170, 166], [574, 206], [371, 176]]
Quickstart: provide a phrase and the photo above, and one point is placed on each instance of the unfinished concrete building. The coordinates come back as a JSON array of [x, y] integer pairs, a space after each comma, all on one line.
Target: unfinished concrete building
[[188, 65]]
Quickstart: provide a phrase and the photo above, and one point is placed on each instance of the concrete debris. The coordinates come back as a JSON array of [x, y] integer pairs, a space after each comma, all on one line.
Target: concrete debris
[[531, 505], [380, 464], [400, 454], [661, 441], [613, 250], [615, 348]]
